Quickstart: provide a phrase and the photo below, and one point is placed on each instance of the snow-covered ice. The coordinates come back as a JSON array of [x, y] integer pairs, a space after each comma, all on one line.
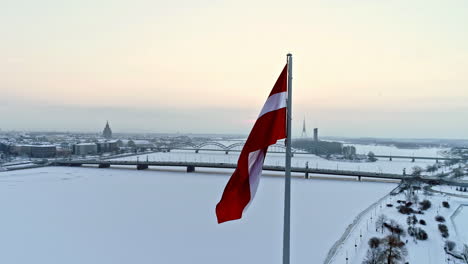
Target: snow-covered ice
[[89, 215], [391, 150]]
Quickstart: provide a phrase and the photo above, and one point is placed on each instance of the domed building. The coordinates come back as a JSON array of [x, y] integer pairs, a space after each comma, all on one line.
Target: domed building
[[107, 133]]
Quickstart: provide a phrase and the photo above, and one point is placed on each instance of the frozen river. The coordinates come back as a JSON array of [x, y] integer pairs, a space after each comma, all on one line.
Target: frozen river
[[391, 150], [59, 215]]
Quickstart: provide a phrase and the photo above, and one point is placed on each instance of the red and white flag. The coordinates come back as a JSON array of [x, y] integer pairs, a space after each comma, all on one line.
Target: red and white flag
[[268, 129]]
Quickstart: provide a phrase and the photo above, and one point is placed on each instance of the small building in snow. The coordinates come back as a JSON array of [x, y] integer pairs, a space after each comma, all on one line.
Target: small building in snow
[[85, 149]]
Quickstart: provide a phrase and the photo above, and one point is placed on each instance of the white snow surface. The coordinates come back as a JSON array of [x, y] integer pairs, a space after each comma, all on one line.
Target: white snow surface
[[430, 251], [117, 215], [392, 150], [461, 222], [449, 190]]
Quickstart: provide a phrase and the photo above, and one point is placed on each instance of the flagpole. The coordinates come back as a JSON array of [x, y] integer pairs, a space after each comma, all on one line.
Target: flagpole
[[287, 178]]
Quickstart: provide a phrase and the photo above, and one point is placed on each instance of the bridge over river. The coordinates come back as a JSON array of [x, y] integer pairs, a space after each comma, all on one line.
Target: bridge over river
[[191, 166], [141, 165]]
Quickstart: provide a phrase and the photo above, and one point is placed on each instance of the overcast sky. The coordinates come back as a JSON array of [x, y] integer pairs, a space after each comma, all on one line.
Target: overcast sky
[[361, 67]]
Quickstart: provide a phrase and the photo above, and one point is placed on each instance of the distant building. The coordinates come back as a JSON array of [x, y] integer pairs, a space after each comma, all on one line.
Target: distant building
[[43, 151], [349, 152], [304, 131], [4, 147], [65, 145], [85, 149], [35, 151], [140, 144], [63, 152], [21, 150], [316, 134], [107, 146], [107, 133]]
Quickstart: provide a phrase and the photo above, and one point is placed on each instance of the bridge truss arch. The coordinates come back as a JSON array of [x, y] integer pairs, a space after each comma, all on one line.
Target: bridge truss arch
[[216, 144], [236, 146]]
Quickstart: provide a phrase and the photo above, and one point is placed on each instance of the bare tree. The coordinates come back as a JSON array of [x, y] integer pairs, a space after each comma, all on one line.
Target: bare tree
[[379, 224], [394, 250], [425, 204], [411, 220], [371, 156], [395, 228], [411, 196], [374, 242], [458, 172], [374, 256], [417, 171], [431, 168]]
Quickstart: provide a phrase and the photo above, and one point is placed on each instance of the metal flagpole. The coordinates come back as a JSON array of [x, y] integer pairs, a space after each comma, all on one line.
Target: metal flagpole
[[287, 179]]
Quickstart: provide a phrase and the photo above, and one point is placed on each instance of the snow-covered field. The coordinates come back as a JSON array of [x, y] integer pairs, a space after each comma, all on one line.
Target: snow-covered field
[[429, 251], [460, 220], [450, 190], [299, 160], [89, 215], [391, 150]]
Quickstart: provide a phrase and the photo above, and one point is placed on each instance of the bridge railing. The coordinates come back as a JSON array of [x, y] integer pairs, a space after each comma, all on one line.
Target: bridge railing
[[146, 164]]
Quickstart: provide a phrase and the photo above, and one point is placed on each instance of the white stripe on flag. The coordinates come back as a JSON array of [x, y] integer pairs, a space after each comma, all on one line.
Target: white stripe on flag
[[255, 170], [274, 102]]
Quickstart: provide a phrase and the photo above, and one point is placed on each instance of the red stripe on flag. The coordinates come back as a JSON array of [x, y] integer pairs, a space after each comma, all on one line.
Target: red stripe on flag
[[281, 84], [268, 129]]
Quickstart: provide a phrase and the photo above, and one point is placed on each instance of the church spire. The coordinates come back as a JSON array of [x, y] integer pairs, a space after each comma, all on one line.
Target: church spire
[[107, 133], [304, 131]]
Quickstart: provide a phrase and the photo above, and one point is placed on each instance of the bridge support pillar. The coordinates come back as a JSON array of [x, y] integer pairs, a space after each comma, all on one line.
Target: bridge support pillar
[[142, 166], [227, 152], [306, 171], [196, 151], [412, 160], [190, 168], [390, 158], [104, 165], [359, 178], [437, 160]]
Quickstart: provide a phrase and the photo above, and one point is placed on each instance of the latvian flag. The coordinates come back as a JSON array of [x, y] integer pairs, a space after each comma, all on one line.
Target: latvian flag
[[268, 129]]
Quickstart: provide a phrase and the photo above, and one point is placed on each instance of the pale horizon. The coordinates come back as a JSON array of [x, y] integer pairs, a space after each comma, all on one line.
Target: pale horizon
[[362, 68]]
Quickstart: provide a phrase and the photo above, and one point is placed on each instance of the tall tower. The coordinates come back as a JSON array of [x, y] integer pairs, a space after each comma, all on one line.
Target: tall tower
[[107, 133], [316, 134], [304, 131]]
